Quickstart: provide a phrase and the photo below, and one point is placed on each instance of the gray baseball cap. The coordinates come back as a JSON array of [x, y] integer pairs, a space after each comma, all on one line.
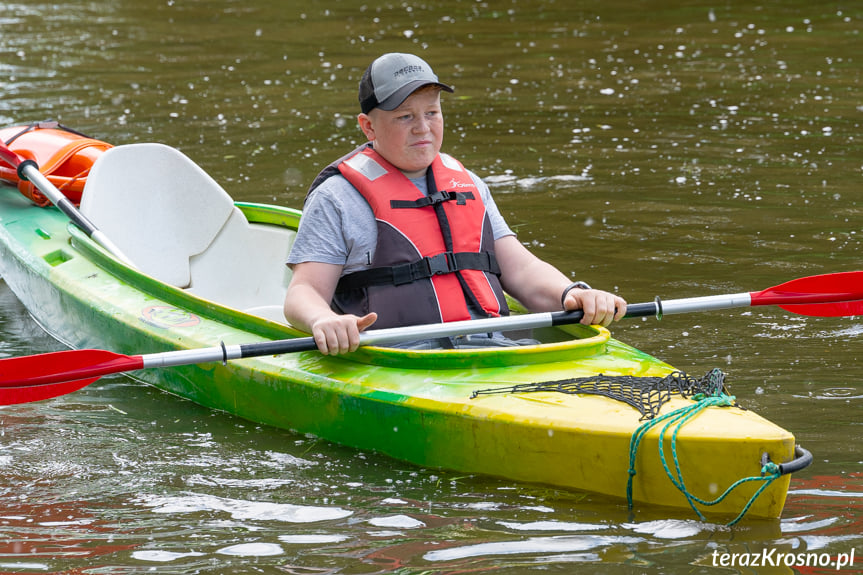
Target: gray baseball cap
[[390, 79]]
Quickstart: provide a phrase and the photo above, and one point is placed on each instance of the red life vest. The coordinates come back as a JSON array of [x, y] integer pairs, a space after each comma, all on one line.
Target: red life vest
[[434, 253], [64, 156]]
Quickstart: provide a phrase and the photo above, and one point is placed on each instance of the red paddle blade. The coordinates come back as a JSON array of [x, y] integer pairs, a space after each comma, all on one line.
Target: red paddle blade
[[64, 366], [838, 309], [26, 394], [827, 295]]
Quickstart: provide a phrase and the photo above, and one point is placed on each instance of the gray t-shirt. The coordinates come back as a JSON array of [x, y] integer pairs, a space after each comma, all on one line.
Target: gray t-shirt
[[338, 225]]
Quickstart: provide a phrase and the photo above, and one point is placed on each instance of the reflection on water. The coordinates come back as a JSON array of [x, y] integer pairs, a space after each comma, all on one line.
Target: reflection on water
[[121, 474], [655, 148]]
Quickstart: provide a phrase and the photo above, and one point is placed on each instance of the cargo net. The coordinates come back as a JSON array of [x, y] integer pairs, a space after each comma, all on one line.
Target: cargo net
[[646, 394]]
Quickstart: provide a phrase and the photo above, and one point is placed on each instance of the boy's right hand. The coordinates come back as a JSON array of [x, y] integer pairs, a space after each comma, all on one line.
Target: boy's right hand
[[337, 334]]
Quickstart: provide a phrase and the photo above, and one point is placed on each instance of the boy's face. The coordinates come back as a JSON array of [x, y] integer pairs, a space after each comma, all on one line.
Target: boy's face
[[410, 136]]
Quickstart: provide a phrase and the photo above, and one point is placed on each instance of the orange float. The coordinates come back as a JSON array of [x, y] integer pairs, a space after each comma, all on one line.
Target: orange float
[[63, 155]]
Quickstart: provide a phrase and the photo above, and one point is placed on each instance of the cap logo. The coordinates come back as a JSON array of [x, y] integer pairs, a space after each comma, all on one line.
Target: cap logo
[[407, 70]]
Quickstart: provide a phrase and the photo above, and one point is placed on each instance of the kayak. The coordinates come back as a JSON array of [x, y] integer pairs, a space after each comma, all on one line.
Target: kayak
[[208, 271]]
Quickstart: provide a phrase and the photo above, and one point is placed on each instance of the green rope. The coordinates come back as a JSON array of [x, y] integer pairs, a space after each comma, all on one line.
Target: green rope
[[679, 418]]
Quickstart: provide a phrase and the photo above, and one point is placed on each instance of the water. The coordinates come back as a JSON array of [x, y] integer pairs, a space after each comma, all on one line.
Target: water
[[687, 150]]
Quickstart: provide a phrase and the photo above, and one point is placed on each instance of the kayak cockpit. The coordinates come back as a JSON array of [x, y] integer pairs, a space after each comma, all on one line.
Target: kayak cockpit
[[565, 343]]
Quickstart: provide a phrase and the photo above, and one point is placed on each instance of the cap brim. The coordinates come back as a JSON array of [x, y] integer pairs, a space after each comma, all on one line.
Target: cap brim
[[400, 95]]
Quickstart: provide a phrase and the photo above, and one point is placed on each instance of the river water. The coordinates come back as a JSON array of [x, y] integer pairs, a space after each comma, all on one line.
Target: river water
[[649, 147]]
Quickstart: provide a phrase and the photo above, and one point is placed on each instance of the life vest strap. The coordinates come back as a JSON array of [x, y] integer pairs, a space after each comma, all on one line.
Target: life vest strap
[[433, 199], [442, 263]]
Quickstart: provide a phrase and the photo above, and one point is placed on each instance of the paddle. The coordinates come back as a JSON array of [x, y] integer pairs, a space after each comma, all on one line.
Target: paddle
[[35, 377], [29, 170]]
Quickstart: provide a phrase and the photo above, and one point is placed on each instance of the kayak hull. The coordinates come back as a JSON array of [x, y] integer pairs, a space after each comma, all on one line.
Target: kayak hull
[[415, 406]]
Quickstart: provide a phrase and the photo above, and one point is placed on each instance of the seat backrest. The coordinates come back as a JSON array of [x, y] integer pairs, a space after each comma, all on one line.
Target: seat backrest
[[157, 206]]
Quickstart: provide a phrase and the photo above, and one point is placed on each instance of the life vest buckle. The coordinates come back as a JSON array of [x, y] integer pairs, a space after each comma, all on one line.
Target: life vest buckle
[[440, 197], [442, 263]]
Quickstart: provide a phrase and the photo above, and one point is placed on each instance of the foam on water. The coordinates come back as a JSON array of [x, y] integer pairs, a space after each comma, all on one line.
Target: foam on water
[[251, 550], [562, 544], [18, 567], [670, 528], [551, 526], [163, 556], [798, 524], [397, 521], [529, 183], [826, 493], [312, 539], [242, 509], [818, 542], [212, 481]]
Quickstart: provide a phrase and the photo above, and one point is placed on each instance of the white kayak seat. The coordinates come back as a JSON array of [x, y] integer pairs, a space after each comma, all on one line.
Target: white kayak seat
[[244, 267], [181, 227], [157, 206]]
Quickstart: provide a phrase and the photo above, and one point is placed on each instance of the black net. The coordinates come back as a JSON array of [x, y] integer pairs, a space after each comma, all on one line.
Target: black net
[[646, 394]]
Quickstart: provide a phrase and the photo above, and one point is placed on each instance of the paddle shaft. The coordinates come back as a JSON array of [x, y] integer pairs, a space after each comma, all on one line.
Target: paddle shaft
[[105, 363], [390, 336], [29, 170], [381, 337]]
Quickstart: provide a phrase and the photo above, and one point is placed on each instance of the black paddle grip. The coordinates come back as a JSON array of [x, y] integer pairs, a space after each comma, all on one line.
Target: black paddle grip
[[277, 347]]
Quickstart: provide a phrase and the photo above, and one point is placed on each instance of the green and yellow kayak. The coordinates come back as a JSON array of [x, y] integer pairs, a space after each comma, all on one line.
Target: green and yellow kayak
[[416, 406]]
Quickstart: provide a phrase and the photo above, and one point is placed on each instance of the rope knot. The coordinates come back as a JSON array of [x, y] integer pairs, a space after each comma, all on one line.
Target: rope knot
[[726, 400]]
